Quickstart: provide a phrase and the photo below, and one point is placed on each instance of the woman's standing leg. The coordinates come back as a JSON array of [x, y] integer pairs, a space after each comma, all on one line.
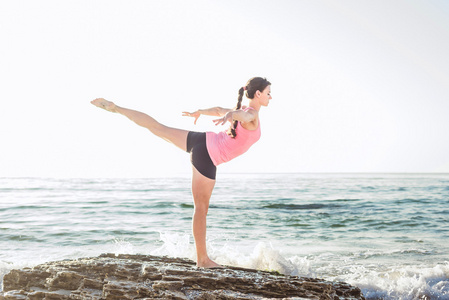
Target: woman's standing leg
[[202, 188]]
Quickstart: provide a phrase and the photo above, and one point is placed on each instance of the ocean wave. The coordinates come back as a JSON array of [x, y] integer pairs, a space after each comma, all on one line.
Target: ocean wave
[[387, 282], [299, 206], [391, 253], [402, 282]]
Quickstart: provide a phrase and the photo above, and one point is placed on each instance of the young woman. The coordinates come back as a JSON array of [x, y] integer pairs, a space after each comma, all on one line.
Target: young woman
[[208, 149]]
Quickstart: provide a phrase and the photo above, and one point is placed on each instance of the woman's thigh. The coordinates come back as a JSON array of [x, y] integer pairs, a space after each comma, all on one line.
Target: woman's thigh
[[177, 137], [202, 188]]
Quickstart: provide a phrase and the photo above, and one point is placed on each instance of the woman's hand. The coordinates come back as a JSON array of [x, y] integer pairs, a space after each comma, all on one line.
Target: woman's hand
[[195, 115], [104, 104], [227, 117]]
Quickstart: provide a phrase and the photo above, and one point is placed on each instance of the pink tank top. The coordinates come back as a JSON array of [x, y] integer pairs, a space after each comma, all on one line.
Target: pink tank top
[[223, 148]]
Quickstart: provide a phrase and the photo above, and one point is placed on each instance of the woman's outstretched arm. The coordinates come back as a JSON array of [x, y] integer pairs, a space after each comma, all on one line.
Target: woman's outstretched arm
[[237, 115], [213, 111]]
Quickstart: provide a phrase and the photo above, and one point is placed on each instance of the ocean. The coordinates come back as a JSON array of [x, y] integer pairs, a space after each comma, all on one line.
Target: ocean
[[388, 234]]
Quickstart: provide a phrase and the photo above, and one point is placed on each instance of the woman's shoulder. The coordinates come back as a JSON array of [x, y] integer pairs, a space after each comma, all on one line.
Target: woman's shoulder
[[254, 123], [247, 108]]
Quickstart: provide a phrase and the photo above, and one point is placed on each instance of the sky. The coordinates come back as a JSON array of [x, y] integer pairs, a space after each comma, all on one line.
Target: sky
[[357, 86]]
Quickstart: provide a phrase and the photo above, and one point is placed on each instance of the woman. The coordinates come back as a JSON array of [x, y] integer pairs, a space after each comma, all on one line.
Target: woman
[[208, 149]]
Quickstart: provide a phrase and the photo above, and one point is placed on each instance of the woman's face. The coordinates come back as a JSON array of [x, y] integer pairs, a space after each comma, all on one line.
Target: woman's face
[[265, 96]]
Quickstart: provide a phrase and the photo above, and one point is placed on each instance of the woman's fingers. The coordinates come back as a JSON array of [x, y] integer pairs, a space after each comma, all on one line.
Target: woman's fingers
[[194, 115], [221, 120], [97, 102], [104, 104]]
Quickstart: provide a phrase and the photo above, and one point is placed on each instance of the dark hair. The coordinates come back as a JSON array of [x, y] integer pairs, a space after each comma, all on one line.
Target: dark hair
[[253, 85]]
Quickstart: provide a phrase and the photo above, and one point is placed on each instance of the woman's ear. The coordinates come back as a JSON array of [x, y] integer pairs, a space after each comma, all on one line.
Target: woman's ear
[[258, 94]]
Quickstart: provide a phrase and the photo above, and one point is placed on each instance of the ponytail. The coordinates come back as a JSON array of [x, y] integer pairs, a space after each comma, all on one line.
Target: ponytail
[[253, 85], [231, 131]]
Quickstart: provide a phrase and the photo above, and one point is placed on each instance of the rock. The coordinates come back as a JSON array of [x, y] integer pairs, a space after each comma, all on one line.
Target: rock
[[113, 277]]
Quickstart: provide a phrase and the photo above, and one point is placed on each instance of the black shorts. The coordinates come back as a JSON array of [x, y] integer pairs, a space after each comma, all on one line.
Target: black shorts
[[199, 156]]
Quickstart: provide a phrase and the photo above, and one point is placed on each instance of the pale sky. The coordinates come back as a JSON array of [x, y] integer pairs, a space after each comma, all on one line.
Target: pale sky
[[357, 86]]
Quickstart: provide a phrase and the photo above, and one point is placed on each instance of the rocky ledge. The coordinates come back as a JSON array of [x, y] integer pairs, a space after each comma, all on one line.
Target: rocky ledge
[[150, 277]]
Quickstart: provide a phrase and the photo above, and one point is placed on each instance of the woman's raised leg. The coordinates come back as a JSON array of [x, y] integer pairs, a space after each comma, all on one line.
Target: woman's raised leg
[[178, 137], [202, 188]]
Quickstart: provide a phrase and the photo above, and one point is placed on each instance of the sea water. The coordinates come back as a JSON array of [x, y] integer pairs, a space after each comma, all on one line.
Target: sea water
[[385, 233]]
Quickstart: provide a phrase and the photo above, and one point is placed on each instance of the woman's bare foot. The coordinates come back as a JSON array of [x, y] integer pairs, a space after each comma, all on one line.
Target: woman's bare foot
[[208, 263], [104, 104]]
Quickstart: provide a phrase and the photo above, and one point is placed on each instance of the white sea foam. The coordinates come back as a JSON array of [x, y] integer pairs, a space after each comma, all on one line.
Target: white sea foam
[[122, 246], [376, 281], [175, 245], [260, 257], [402, 282]]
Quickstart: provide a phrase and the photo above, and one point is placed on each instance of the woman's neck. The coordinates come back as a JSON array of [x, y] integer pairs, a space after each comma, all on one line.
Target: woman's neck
[[254, 104]]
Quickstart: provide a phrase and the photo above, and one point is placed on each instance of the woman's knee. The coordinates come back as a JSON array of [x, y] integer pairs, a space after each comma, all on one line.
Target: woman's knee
[[201, 209], [158, 129]]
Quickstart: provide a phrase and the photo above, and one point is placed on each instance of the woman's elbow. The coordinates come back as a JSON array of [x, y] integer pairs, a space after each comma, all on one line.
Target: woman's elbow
[[220, 111]]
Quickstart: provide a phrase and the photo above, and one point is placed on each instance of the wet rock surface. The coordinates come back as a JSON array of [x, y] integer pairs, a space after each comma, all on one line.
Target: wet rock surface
[[151, 277]]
